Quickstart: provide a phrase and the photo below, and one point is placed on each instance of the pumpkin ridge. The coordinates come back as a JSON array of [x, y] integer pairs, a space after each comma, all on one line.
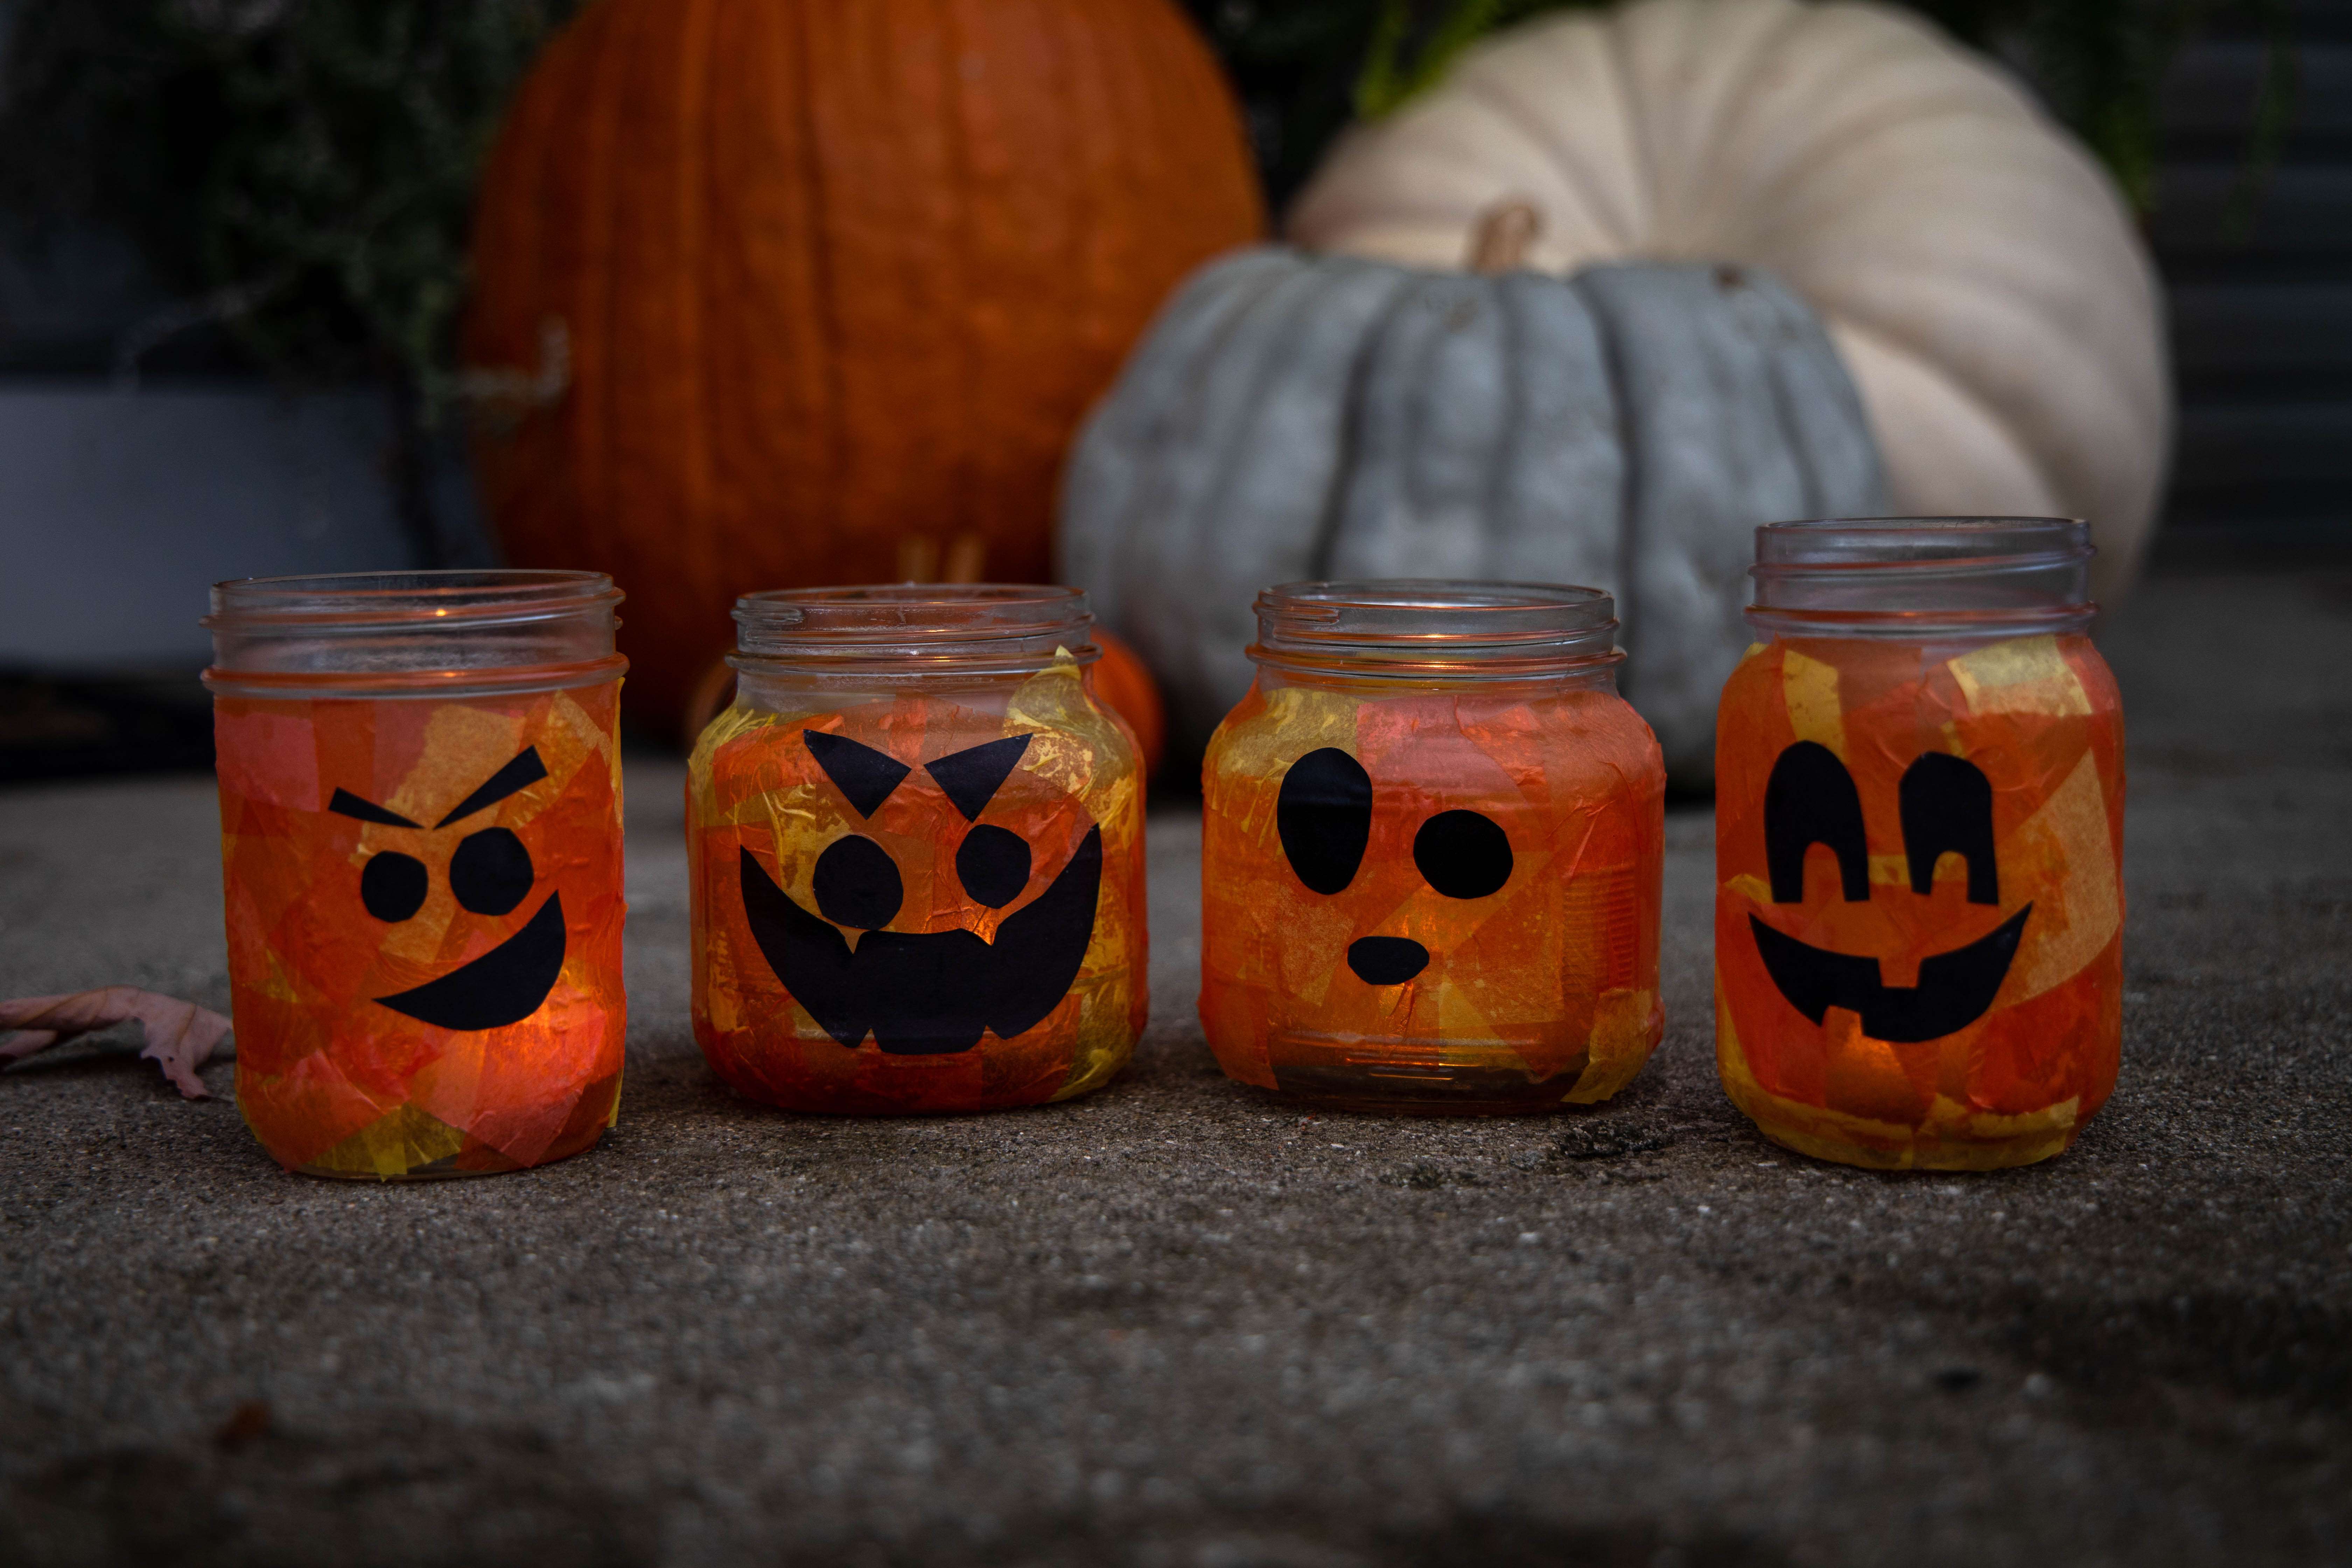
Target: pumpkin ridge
[[1620, 229]]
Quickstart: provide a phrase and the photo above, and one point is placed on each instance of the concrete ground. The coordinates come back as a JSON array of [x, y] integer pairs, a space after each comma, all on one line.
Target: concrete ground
[[1183, 1323]]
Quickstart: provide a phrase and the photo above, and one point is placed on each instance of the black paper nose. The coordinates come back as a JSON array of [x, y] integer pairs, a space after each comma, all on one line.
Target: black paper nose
[[1386, 960]]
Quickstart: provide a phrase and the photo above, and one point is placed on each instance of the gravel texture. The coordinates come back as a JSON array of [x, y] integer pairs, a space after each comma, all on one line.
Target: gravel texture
[[1182, 1322]]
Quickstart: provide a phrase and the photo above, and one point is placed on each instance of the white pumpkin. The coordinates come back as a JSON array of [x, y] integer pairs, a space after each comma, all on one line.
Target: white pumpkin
[[1978, 271]]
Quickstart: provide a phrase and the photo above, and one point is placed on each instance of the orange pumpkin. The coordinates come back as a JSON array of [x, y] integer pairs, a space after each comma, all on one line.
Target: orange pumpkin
[[793, 284]]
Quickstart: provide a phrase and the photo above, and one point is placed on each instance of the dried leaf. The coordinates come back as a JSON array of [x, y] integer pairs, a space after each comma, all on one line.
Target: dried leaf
[[181, 1035]]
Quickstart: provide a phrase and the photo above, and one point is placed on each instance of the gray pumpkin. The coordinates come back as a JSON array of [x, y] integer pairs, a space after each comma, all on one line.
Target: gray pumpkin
[[1291, 416]]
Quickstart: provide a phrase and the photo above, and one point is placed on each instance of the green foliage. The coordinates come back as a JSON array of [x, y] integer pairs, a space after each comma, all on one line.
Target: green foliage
[[305, 167], [2098, 63]]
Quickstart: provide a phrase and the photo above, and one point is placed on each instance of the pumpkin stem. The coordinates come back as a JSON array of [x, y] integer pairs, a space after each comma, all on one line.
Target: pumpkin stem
[[1505, 232]]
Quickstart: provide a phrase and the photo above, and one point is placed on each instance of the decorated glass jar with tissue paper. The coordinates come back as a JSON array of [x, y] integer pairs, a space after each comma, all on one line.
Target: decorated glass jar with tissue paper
[[1432, 846], [1919, 811], [420, 793], [916, 854]]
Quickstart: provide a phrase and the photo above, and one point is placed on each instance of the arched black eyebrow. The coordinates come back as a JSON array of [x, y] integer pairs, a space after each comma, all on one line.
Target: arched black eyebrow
[[524, 771], [349, 805]]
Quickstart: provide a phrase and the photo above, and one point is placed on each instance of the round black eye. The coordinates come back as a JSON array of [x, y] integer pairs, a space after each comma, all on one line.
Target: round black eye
[[1462, 854], [1324, 815], [994, 866], [856, 885], [392, 886], [491, 872]]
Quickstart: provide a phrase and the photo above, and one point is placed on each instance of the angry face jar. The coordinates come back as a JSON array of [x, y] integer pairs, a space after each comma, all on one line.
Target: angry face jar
[[1433, 844], [917, 843], [420, 795], [1919, 799]]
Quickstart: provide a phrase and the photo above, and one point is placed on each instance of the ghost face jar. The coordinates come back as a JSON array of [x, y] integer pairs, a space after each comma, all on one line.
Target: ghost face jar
[[1919, 799], [420, 793], [917, 850], [1433, 838]]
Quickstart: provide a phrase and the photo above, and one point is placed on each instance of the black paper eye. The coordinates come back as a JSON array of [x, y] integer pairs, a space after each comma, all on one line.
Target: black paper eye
[[856, 885], [994, 866], [1947, 805], [1463, 854], [1810, 799], [491, 872], [1324, 815], [392, 886]]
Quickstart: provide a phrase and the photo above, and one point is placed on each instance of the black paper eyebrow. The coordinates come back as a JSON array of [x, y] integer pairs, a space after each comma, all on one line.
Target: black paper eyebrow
[[524, 771], [864, 776], [349, 805], [972, 778]]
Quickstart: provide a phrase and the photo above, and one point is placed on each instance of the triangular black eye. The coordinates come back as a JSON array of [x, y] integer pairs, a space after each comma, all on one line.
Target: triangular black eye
[[973, 777], [864, 776]]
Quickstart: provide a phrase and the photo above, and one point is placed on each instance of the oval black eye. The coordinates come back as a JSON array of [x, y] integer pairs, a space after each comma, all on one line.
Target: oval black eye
[[992, 865], [1324, 815], [1462, 854], [392, 886], [856, 885], [491, 872]]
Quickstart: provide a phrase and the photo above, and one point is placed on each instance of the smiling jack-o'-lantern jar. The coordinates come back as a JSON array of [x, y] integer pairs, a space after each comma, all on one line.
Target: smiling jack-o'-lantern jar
[[1920, 797], [917, 843], [1430, 878], [420, 793]]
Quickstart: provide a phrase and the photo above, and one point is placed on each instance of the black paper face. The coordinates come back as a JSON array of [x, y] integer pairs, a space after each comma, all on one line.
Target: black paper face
[[490, 874], [1945, 805], [1324, 818], [925, 992]]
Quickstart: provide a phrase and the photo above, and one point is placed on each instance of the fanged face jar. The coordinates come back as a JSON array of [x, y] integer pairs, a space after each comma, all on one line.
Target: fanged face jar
[[917, 844]]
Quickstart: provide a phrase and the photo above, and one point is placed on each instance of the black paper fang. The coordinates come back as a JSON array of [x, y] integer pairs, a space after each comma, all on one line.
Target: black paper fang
[[522, 772], [864, 776], [929, 992], [505, 985], [972, 778]]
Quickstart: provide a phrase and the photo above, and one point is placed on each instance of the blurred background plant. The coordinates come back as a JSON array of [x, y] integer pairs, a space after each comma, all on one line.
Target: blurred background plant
[[297, 173]]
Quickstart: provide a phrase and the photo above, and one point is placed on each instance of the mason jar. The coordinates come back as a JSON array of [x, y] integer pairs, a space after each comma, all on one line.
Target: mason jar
[[916, 854], [1919, 817], [420, 793], [1432, 843]]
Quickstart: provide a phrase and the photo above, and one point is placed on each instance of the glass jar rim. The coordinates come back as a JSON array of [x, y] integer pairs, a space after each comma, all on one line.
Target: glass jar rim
[[377, 602], [458, 632], [971, 627], [1446, 627], [1911, 544], [1924, 576]]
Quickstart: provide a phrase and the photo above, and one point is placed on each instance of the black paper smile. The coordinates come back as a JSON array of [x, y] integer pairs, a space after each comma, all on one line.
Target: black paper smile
[[1946, 806], [1954, 991], [503, 986], [929, 992]]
